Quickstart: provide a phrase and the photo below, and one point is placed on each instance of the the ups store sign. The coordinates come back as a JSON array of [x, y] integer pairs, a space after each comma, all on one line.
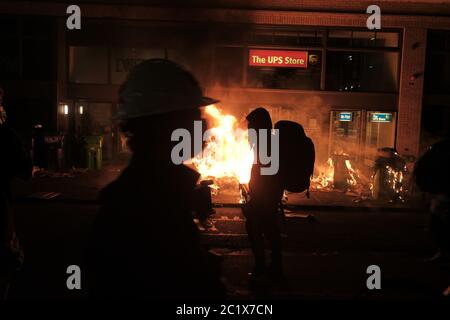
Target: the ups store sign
[[278, 58]]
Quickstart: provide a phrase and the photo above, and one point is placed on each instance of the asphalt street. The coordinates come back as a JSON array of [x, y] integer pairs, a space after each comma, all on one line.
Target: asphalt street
[[325, 257]]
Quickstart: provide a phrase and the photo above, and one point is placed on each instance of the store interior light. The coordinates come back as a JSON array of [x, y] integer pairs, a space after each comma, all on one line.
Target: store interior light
[[81, 110], [66, 109]]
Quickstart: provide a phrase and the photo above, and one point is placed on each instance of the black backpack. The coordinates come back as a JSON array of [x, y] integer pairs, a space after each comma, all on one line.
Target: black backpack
[[297, 156]]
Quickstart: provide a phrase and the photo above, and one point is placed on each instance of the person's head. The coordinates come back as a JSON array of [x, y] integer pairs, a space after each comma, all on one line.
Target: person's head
[[158, 97], [259, 119]]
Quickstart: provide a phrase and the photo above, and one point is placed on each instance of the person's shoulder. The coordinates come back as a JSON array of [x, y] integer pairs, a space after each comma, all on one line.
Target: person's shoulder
[[117, 190], [7, 132]]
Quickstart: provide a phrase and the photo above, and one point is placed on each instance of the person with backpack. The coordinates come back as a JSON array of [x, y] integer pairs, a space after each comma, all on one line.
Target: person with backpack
[[296, 157], [261, 211]]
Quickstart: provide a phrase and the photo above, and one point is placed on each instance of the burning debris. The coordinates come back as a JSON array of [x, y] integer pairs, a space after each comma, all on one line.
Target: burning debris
[[388, 178], [339, 173], [227, 157], [325, 177], [386, 182]]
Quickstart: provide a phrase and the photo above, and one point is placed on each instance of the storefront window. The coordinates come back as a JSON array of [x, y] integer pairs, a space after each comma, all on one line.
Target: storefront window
[[300, 38], [228, 70], [437, 67], [345, 132], [27, 50], [362, 71], [88, 65], [124, 59], [380, 129], [362, 39]]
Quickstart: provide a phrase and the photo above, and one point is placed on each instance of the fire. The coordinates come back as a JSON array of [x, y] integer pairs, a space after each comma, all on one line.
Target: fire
[[325, 178], [351, 180], [395, 180], [227, 153]]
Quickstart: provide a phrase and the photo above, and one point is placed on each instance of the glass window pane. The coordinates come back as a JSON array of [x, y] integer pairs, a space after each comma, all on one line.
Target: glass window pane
[[38, 59], [124, 59], [362, 71], [339, 38], [88, 65], [301, 38], [10, 59], [228, 67], [345, 131], [362, 39], [438, 40], [437, 73], [380, 133], [229, 35]]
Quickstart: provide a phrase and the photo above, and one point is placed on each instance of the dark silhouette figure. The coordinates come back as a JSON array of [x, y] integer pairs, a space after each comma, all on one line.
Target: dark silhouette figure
[[14, 162], [261, 211], [144, 242], [432, 173]]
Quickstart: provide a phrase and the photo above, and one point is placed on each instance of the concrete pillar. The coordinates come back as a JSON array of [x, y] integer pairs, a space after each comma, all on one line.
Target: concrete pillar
[[411, 91]]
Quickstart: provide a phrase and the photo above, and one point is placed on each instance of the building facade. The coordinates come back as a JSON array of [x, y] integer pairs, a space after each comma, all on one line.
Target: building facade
[[353, 89]]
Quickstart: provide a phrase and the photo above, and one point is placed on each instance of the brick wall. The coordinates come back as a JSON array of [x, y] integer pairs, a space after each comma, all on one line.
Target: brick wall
[[411, 91]]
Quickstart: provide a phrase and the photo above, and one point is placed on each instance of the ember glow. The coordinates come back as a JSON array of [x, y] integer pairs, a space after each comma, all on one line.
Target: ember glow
[[395, 180], [351, 180], [227, 153], [325, 176]]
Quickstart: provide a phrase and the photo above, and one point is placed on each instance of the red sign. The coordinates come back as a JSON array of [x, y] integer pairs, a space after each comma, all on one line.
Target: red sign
[[278, 58]]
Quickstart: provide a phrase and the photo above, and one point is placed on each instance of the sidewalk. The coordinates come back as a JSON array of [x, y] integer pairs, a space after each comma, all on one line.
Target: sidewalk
[[84, 187]]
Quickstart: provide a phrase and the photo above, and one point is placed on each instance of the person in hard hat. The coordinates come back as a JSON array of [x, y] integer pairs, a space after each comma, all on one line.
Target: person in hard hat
[[144, 242], [14, 162], [261, 211]]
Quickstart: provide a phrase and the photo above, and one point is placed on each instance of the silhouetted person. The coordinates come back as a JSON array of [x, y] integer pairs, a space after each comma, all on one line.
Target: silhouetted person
[[14, 162], [144, 242], [432, 173], [262, 210]]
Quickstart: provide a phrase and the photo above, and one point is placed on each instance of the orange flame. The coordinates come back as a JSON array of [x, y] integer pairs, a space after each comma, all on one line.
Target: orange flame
[[227, 153], [351, 180], [325, 178]]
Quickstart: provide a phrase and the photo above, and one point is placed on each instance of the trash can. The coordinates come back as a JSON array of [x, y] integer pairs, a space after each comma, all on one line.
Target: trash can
[[93, 146], [54, 148], [388, 174]]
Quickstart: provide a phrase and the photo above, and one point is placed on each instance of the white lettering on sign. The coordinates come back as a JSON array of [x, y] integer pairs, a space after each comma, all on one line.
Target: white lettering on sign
[[278, 58]]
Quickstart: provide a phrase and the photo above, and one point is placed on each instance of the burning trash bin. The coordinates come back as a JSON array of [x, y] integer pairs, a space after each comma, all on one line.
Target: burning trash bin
[[388, 174], [341, 173]]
